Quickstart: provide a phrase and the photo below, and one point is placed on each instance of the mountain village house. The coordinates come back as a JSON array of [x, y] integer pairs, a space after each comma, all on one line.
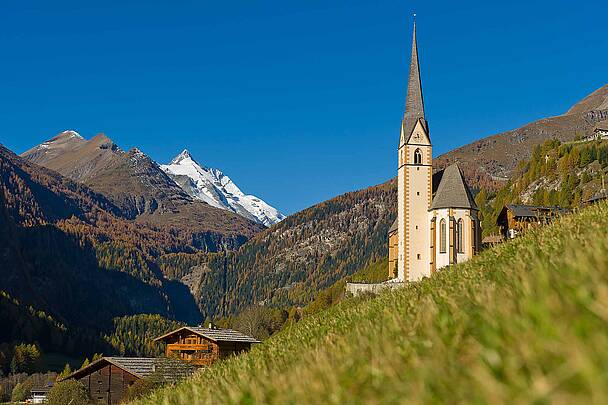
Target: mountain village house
[[204, 346], [599, 132], [514, 219], [38, 393], [108, 379]]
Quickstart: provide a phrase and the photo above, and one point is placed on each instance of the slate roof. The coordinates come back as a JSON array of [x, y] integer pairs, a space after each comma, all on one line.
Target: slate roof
[[170, 369], [453, 191], [394, 227], [414, 103], [217, 335], [600, 195], [42, 389], [534, 211], [602, 126]]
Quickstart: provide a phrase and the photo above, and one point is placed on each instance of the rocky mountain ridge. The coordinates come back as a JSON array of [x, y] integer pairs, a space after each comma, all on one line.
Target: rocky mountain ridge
[[218, 190], [138, 187], [490, 161]]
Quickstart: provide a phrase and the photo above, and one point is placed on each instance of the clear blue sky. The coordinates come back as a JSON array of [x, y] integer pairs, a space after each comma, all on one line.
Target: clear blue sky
[[296, 101]]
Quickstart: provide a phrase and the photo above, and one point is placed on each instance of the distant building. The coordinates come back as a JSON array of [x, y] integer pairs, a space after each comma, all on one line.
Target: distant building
[[514, 219], [204, 346], [599, 132], [108, 379], [597, 197], [38, 394]]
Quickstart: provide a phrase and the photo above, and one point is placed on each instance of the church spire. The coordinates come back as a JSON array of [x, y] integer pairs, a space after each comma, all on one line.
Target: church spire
[[414, 104]]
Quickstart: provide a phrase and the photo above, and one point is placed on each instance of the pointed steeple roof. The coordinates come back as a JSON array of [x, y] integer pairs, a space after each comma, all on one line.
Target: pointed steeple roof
[[414, 103], [453, 191]]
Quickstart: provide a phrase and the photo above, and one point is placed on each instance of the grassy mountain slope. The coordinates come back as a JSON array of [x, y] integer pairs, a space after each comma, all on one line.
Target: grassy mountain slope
[[498, 155], [526, 321]]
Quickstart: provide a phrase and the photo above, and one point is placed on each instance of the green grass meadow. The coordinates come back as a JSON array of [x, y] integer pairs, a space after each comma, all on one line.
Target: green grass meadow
[[524, 322]]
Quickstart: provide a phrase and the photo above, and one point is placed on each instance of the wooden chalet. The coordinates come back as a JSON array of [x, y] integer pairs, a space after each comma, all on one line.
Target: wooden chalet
[[108, 378], [204, 346], [597, 197], [38, 393], [514, 219]]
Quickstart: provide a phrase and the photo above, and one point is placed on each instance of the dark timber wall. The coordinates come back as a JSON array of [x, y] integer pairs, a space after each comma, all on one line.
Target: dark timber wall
[[108, 384]]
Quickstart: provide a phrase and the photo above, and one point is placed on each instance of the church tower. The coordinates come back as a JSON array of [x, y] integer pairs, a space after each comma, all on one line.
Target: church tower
[[415, 173]]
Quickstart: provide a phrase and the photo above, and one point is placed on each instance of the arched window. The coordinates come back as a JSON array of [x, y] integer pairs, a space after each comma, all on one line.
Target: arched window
[[442, 236], [459, 237], [417, 157]]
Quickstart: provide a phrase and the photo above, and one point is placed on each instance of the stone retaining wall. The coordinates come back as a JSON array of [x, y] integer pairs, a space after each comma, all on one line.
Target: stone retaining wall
[[358, 288]]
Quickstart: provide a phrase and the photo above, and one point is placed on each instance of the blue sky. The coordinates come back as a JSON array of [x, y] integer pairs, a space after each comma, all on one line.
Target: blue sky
[[296, 101]]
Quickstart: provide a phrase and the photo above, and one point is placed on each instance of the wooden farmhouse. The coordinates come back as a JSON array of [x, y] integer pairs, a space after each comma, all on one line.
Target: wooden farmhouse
[[108, 378], [514, 219], [597, 197], [203, 346]]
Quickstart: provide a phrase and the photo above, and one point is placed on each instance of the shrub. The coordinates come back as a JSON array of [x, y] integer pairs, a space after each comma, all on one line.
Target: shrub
[[141, 388], [21, 391], [68, 392]]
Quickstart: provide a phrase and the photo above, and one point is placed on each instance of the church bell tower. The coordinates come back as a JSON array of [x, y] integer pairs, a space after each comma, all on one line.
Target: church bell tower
[[415, 172]]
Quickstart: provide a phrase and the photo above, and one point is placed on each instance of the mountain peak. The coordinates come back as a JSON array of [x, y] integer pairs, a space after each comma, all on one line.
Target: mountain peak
[[598, 100], [216, 189], [66, 135], [100, 139], [184, 155]]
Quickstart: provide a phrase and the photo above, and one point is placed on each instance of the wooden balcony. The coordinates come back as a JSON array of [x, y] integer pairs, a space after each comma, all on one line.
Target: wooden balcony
[[174, 347]]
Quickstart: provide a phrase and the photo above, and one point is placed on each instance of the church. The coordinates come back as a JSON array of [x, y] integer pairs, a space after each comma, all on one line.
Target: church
[[437, 223]]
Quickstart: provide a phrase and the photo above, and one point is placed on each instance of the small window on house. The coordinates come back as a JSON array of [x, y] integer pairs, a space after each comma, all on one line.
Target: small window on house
[[459, 237], [417, 157], [442, 236], [417, 192], [418, 256]]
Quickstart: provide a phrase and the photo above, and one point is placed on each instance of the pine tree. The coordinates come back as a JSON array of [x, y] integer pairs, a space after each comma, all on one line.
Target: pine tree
[[85, 363], [67, 370]]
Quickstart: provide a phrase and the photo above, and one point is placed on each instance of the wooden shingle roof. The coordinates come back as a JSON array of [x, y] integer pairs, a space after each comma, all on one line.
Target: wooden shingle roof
[[170, 369], [394, 227], [602, 126], [217, 335], [534, 211]]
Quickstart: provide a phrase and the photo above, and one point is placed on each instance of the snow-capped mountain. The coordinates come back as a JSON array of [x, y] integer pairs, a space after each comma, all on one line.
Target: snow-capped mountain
[[216, 189]]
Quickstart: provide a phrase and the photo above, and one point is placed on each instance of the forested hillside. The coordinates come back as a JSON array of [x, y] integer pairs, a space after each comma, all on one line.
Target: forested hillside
[[290, 262], [69, 264], [524, 322], [557, 174]]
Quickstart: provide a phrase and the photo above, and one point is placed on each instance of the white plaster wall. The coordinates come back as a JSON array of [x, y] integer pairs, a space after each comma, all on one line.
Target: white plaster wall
[[419, 224], [443, 259], [401, 224], [419, 196]]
